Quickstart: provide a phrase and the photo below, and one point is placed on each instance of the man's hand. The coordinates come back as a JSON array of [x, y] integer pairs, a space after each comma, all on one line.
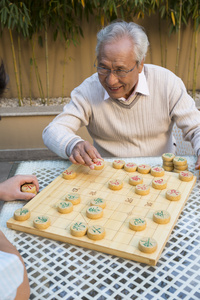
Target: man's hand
[[84, 154], [197, 166], [11, 188]]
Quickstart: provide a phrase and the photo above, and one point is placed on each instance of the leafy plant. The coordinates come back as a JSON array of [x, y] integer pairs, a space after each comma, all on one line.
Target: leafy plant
[[34, 19], [15, 16]]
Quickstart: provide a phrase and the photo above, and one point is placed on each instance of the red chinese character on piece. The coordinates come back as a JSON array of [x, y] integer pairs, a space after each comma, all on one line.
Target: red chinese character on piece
[[142, 166], [142, 187], [135, 177], [159, 181], [157, 169], [98, 163], [130, 165], [67, 172], [174, 192], [28, 187], [118, 161], [184, 174]]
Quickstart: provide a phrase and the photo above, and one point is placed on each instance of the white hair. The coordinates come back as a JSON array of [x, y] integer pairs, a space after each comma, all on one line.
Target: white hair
[[117, 30]]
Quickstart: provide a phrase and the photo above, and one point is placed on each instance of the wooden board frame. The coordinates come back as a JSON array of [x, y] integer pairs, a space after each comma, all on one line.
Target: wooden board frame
[[120, 207]]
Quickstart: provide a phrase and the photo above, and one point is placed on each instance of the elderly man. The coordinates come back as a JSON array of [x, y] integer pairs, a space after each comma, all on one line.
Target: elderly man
[[128, 107]]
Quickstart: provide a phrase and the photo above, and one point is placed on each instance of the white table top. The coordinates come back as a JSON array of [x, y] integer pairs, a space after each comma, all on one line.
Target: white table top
[[62, 271]]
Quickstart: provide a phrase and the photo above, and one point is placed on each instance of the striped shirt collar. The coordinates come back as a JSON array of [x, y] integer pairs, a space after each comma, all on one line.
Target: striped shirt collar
[[141, 88]]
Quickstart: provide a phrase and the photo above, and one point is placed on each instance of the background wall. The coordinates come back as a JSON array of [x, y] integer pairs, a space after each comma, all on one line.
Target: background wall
[[80, 58]]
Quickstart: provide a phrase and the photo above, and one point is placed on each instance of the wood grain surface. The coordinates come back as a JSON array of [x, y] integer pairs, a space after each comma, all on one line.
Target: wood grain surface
[[121, 206]]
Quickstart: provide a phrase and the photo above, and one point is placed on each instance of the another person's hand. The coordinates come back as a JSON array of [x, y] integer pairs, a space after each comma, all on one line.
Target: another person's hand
[[197, 166], [84, 154], [11, 188]]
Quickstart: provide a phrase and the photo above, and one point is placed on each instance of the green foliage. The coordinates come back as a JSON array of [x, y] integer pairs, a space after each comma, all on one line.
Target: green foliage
[[15, 15], [63, 17]]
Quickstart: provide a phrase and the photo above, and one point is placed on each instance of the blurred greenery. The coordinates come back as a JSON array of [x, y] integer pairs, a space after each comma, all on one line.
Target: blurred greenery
[[31, 20]]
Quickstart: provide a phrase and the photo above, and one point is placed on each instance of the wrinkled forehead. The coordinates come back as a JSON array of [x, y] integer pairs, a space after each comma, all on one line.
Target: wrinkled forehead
[[116, 48]]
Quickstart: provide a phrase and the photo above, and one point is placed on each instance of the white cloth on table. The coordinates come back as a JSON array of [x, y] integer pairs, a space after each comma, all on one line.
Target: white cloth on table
[[11, 275]]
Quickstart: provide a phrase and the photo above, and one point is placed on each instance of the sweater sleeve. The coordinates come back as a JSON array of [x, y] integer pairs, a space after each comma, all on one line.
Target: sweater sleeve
[[62, 130], [185, 114]]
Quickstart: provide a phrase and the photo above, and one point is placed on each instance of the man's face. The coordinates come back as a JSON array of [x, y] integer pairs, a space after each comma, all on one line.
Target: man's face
[[118, 55]]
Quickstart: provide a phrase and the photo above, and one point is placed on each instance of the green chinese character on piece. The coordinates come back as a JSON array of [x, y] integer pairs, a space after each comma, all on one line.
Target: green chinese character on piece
[[23, 211], [138, 221], [148, 243], [98, 200], [160, 213], [181, 159], [93, 209], [78, 226], [94, 229], [71, 197], [42, 219]]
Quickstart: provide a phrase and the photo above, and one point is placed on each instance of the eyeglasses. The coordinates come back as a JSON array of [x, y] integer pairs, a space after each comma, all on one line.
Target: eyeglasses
[[117, 73]]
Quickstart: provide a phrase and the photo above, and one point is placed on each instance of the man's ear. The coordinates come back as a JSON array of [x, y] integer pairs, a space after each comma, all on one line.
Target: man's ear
[[140, 67]]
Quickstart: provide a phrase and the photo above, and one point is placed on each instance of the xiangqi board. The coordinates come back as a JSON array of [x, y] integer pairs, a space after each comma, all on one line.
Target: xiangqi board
[[121, 206]]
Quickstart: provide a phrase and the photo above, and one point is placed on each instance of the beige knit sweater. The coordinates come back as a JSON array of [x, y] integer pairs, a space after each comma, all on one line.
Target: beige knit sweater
[[141, 128]]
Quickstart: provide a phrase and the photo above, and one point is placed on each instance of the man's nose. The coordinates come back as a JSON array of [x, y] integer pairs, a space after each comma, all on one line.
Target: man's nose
[[111, 79]]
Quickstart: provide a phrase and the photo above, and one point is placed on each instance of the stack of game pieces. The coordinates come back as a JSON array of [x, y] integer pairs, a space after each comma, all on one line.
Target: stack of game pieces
[[168, 164], [174, 163], [180, 164]]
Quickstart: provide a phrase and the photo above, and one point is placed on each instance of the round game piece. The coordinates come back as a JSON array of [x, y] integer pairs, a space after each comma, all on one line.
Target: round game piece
[[144, 169], [94, 212], [137, 224], [161, 217], [22, 214], [168, 168], [98, 202], [157, 172], [179, 161], [96, 232], [181, 168], [185, 176], [137, 179], [69, 174], [147, 245], [78, 229], [74, 198], [176, 171], [159, 183], [64, 207], [118, 164], [99, 165], [115, 184], [142, 189], [41, 222], [168, 156], [168, 164], [130, 167], [29, 188], [173, 195]]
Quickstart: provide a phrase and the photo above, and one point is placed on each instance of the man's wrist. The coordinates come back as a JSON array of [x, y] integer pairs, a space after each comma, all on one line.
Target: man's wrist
[[71, 145]]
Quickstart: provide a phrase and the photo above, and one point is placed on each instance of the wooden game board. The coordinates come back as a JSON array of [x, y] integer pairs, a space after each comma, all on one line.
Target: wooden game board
[[120, 207]]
